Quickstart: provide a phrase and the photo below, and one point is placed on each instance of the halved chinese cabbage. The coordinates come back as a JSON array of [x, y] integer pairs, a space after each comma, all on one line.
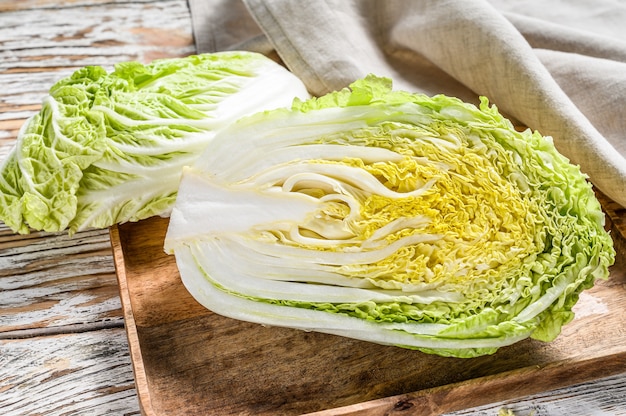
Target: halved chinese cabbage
[[397, 218], [108, 148]]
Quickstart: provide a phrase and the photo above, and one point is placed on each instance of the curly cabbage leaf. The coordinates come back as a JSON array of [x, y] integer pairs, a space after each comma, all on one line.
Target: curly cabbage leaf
[[108, 148], [402, 219]]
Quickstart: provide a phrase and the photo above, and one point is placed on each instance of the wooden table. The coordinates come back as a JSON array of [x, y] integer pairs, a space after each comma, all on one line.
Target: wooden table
[[63, 345]]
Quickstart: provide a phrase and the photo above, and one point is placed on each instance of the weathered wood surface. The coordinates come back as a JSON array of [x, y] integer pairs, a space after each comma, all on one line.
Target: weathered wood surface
[[601, 397], [51, 280], [63, 345], [74, 374], [189, 358]]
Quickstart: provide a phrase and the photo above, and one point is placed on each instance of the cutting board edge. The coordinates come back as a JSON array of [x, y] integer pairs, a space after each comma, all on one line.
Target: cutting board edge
[[141, 379]]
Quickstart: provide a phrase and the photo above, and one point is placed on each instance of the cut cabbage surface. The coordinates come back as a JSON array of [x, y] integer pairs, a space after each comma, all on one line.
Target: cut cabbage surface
[[396, 218], [108, 148]]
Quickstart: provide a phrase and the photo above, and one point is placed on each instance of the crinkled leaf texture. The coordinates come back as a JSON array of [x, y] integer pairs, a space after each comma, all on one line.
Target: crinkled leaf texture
[[109, 148], [422, 222]]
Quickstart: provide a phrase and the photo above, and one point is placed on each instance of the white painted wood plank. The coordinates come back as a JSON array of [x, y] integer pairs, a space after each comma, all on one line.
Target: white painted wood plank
[[12, 5], [94, 34], [604, 397], [51, 279], [76, 374]]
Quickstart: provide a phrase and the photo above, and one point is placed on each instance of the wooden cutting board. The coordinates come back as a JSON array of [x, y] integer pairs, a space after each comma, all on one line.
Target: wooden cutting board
[[188, 360]]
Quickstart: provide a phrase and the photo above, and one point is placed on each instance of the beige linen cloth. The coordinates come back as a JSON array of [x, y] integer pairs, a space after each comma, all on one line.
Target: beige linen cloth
[[558, 67]]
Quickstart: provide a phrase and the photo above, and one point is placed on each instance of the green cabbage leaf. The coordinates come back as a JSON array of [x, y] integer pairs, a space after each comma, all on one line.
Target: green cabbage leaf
[[109, 147], [396, 218]]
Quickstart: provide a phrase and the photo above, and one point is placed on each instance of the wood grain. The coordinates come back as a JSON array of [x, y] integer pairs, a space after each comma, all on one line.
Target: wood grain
[[86, 373], [13, 5], [52, 280], [601, 397], [190, 358]]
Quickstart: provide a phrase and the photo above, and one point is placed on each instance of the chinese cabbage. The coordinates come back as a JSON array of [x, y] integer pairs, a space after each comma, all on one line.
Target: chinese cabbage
[[108, 148], [396, 218]]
